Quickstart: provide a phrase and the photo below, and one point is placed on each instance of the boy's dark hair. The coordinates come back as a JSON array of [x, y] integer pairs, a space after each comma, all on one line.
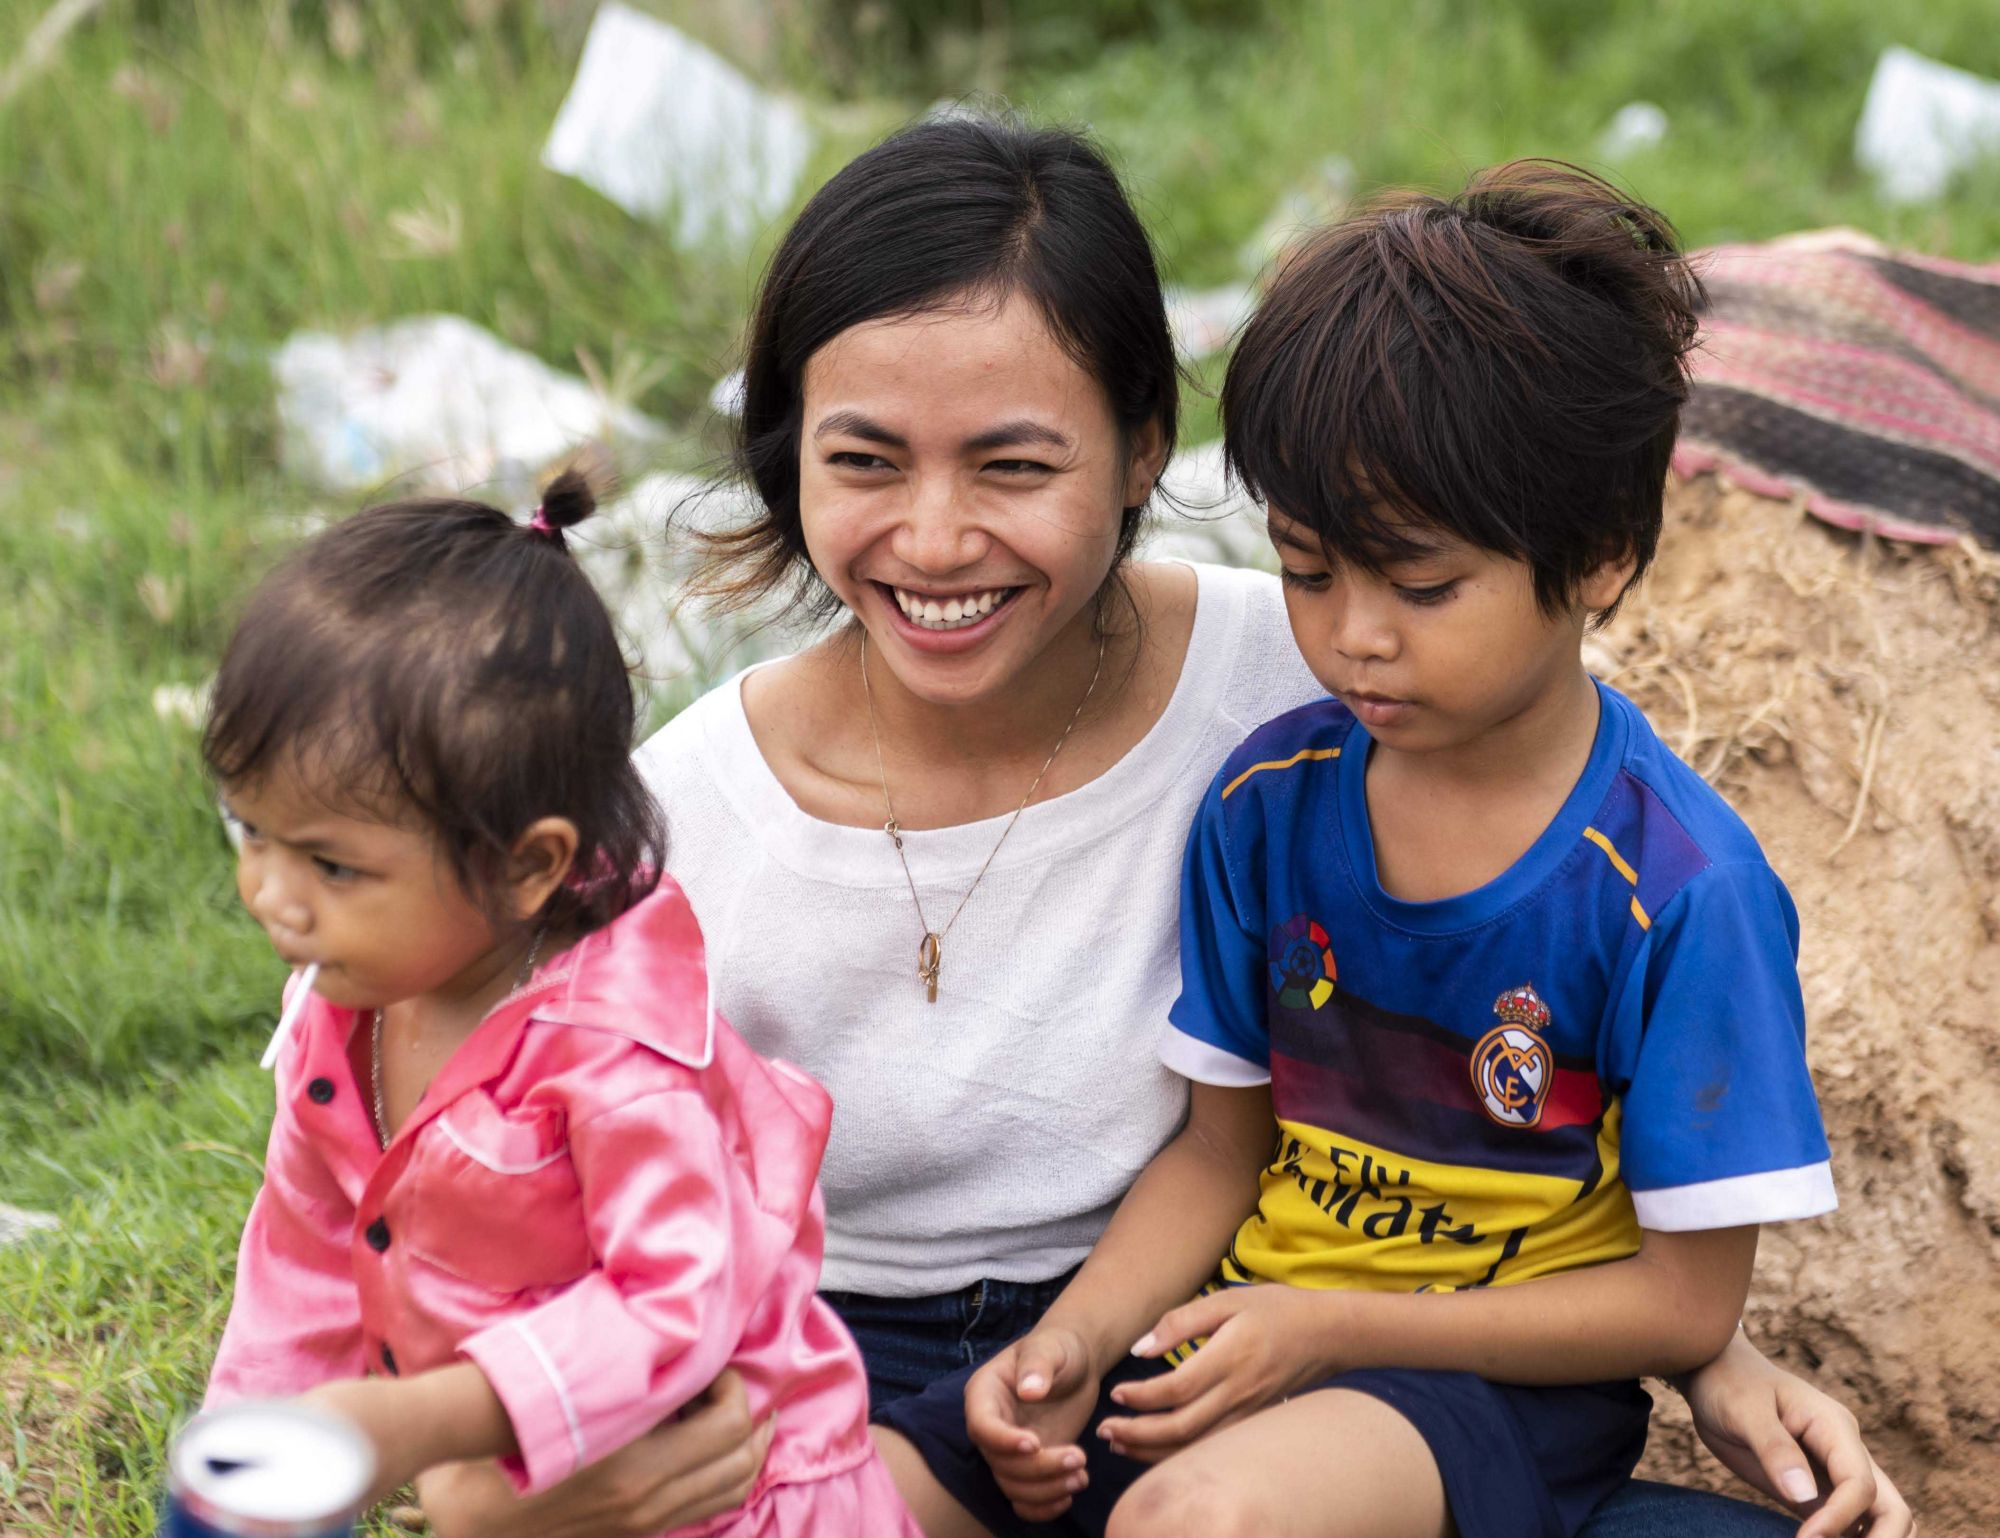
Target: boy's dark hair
[[949, 210], [1507, 366], [433, 657]]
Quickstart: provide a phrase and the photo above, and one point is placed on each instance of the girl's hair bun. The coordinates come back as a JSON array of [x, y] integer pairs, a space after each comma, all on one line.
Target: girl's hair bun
[[569, 498]]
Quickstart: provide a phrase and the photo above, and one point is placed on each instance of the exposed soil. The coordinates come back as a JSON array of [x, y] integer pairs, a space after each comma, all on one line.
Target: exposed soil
[[1845, 695]]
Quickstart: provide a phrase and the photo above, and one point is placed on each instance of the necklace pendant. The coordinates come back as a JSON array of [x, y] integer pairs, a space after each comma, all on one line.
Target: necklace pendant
[[930, 956]]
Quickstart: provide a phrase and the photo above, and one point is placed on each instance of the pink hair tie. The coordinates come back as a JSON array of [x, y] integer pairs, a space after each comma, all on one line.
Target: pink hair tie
[[540, 523]]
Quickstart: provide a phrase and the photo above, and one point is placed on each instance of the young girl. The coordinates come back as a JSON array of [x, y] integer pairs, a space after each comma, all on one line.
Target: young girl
[[526, 1194]]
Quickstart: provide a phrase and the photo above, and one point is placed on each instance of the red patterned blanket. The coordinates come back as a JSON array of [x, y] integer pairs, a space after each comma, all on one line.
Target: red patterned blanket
[[1865, 381]]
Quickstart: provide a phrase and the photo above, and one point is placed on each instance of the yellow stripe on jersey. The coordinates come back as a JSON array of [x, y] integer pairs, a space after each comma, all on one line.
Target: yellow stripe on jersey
[[1624, 869], [1617, 860], [1300, 757], [1336, 1212]]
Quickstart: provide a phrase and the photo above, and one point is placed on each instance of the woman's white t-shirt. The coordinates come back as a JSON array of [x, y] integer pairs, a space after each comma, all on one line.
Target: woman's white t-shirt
[[992, 1133]]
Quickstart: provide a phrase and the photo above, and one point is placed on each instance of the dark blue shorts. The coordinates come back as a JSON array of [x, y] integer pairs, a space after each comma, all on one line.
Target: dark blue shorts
[[911, 1343], [907, 1344], [1515, 1462]]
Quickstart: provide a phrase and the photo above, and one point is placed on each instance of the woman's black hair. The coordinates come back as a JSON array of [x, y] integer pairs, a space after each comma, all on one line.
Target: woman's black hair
[[945, 210], [1506, 366], [434, 659]]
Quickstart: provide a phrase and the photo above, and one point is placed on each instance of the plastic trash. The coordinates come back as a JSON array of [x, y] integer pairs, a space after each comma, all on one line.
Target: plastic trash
[[1924, 122], [18, 1223], [725, 399], [1204, 320], [1319, 199], [1636, 126], [662, 126], [183, 705], [638, 552], [437, 399], [1200, 515]]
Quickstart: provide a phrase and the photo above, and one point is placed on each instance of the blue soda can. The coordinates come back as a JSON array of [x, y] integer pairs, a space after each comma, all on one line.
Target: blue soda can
[[266, 1470]]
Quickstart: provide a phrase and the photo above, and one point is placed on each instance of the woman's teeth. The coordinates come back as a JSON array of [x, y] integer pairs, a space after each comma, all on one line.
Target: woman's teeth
[[950, 613]]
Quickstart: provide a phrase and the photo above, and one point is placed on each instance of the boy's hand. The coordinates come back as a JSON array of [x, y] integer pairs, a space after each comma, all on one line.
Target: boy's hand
[[1773, 1430], [1260, 1349], [1025, 1410]]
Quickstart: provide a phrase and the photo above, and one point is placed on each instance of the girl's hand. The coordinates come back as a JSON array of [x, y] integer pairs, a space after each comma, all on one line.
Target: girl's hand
[[1773, 1431], [1024, 1410], [420, 1421], [704, 1463], [1254, 1357], [376, 1408]]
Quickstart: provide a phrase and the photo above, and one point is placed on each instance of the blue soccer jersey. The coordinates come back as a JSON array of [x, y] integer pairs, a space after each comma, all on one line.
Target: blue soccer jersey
[[1513, 1081]]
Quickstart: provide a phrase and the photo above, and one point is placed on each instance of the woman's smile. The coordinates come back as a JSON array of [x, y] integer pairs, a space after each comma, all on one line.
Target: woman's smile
[[939, 623], [954, 612]]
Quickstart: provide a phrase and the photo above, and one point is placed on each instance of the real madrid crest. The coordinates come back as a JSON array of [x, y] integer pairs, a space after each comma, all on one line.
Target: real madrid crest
[[1512, 1067]]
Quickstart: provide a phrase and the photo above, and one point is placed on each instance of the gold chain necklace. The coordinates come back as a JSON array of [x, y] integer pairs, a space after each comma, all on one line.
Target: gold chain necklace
[[375, 1044], [930, 949]]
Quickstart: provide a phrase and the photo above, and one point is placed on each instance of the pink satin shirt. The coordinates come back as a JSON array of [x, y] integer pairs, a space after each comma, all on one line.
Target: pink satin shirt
[[603, 1199]]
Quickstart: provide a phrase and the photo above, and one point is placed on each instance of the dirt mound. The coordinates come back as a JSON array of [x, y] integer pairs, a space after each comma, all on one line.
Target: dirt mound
[[1845, 695]]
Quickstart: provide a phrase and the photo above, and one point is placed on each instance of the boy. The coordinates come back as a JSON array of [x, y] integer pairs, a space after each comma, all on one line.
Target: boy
[[1517, 987]]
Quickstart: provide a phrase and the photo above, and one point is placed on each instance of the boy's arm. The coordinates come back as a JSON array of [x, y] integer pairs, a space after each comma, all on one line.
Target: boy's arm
[[1668, 1309], [1173, 1225], [1025, 1408], [1169, 1231]]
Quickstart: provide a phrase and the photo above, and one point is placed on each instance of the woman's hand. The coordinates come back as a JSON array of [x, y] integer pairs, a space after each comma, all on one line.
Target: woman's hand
[[1024, 1410], [705, 1462], [1255, 1355], [1773, 1430]]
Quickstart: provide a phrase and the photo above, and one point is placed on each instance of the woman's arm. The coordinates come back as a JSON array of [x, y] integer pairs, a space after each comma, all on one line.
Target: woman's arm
[[691, 1468]]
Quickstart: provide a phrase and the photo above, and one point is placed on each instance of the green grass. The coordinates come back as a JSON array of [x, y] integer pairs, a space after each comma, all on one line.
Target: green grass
[[108, 1326], [192, 180]]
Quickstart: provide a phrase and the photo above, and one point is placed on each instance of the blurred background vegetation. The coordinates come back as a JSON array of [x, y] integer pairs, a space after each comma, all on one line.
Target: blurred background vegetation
[[186, 182]]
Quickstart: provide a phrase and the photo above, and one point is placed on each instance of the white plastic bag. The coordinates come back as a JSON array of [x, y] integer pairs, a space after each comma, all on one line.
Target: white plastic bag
[[1205, 320], [1201, 516], [660, 125], [1634, 128], [437, 399], [638, 552], [1922, 123]]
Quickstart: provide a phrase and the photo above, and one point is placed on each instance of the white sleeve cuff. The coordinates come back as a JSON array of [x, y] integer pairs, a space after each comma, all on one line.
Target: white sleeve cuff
[[1204, 1064], [1776, 1196]]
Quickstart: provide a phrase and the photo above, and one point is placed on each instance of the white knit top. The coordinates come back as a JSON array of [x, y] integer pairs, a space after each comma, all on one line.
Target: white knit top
[[989, 1134]]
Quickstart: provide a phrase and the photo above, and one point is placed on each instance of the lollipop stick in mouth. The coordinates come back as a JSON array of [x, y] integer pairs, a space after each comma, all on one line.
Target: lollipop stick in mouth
[[290, 1018]]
